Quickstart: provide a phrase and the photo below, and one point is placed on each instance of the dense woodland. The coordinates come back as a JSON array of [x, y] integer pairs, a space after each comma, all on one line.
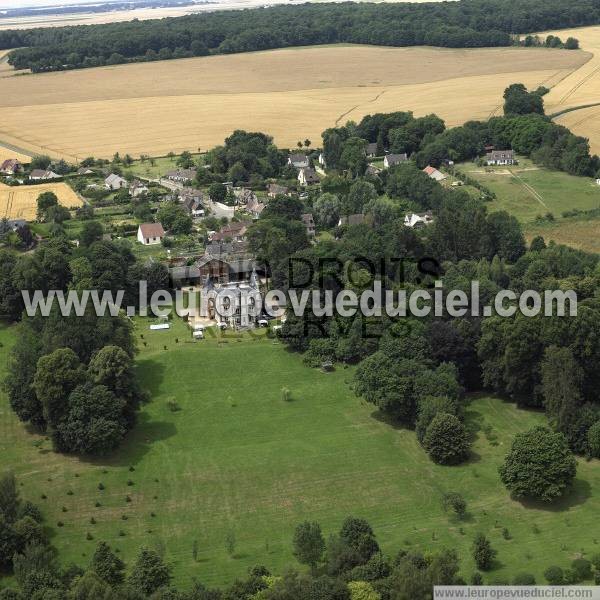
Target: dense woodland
[[464, 24], [74, 379]]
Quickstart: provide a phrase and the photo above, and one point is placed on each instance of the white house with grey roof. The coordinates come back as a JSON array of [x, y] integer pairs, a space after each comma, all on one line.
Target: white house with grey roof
[[391, 160], [500, 157], [115, 182]]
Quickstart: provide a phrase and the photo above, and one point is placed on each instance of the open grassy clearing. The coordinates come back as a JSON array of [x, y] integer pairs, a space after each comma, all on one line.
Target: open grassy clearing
[[20, 202], [526, 191], [237, 458], [581, 233], [154, 168], [155, 108]]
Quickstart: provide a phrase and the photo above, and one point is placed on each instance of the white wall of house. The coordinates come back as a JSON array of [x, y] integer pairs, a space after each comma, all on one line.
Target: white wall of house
[[147, 241]]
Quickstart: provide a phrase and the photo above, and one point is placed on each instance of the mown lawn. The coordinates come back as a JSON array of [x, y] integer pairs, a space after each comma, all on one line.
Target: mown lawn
[[548, 191], [155, 167], [237, 458]]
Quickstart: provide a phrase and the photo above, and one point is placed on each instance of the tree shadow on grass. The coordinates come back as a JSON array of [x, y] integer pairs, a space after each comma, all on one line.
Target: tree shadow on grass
[[577, 495], [151, 375], [389, 420], [139, 441], [146, 431]]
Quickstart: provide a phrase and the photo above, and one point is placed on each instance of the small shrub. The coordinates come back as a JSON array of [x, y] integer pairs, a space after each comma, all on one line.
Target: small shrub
[[124, 517], [131, 469], [127, 498], [172, 405], [524, 579], [570, 577], [482, 552], [554, 575], [230, 543], [89, 536], [60, 524], [455, 502], [121, 533], [506, 534], [582, 568], [64, 509], [98, 505], [101, 486], [129, 482], [70, 493], [93, 521], [43, 496]]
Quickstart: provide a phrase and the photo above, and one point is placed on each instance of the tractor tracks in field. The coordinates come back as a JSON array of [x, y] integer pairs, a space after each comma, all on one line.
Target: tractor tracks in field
[[345, 114], [530, 189]]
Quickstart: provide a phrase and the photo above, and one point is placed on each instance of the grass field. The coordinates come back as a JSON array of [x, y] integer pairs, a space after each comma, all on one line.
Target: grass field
[[581, 232], [20, 202], [154, 108], [237, 458], [155, 167], [527, 191]]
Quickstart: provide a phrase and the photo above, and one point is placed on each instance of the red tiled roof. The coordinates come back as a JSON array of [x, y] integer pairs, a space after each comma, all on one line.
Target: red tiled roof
[[152, 230]]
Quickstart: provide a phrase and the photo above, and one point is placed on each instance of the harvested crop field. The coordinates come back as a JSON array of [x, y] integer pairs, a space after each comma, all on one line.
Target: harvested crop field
[[6, 153], [580, 88], [154, 108], [20, 202]]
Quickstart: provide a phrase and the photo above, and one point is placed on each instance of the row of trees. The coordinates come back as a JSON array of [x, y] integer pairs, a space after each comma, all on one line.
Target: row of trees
[[476, 23]]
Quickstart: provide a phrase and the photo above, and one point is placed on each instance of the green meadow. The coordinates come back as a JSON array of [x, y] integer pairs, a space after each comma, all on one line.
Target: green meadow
[[218, 454], [527, 191]]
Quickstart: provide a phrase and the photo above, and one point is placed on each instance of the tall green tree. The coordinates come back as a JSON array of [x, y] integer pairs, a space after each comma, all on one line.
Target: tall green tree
[[149, 573], [309, 544], [539, 465]]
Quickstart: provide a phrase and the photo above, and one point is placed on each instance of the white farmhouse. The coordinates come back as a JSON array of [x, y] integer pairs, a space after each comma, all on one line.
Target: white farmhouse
[[150, 233], [115, 182]]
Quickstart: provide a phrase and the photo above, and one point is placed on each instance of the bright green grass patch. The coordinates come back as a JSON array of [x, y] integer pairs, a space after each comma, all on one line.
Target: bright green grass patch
[[527, 191], [238, 458], [155, 167]]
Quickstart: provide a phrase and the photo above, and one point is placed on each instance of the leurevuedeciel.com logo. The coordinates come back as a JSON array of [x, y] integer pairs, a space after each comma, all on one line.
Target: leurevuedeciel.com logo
[[329, 289]]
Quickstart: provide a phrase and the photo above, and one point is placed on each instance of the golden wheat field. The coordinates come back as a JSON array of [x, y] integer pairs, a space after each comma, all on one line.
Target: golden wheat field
[[6, 153], [191, 104], [580, 88], [20, 202]]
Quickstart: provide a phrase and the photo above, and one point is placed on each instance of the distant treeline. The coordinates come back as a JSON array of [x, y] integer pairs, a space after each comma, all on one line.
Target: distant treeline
[[464, 24], [11, 13]]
